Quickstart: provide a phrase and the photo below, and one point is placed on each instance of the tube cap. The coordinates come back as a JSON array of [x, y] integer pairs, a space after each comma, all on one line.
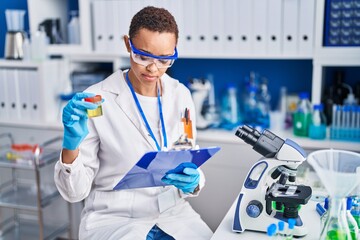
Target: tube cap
[[271, 230], [94, 99]]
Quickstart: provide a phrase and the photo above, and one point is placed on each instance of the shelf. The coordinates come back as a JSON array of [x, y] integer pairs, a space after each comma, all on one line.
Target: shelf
[[35, 124], [24, 196], [29, 230], [48, 156]]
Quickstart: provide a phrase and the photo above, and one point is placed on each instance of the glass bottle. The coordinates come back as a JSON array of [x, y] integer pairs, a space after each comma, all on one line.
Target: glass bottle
[[355, 210], [317, 129], [302, 116], [353, 227], [230, 107], [251, 111], [326, 213], [336, 226], [264, 105]]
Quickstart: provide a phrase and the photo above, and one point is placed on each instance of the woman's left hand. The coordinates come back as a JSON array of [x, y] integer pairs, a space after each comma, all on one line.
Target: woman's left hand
[[185, 177]]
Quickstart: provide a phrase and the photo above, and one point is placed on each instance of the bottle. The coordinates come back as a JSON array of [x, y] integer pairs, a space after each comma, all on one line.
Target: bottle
[[353, 227], [98, 111], [326, 213], [251, 111], [317, 129], [281, 108], [302, 116], [39, 43], [355, 210], [230, 106], [26, 47], [264, 105], [73, 29]]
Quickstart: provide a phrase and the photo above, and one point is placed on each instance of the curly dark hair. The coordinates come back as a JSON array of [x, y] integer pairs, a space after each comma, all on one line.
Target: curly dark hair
[[153, 19]]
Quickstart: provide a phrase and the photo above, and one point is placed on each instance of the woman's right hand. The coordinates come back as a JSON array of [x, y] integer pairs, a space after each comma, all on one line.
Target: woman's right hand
[[74, 119]]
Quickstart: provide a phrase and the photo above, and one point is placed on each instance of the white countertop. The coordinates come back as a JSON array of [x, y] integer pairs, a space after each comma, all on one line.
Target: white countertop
[[308, 213]]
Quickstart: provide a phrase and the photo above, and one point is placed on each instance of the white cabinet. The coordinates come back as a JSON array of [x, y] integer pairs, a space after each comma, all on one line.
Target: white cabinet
[[29, 92]]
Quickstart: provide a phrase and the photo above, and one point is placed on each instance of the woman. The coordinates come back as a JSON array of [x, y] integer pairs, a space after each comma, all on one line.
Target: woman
[[142, 112]]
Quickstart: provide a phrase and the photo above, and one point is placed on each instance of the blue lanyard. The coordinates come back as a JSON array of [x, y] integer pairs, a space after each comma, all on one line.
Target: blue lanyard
[[143, 114]]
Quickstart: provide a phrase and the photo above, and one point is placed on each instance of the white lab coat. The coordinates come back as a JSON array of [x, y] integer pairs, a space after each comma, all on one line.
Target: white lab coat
[[115, 142]]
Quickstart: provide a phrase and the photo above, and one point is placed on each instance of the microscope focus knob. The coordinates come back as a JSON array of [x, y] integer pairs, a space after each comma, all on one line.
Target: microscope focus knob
[[254, 208]]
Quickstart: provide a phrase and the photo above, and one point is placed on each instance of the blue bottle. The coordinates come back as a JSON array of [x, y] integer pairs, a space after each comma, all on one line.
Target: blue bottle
[[317, 129]]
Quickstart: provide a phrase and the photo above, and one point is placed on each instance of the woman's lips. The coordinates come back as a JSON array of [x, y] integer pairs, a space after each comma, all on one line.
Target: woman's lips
[[151, 78]]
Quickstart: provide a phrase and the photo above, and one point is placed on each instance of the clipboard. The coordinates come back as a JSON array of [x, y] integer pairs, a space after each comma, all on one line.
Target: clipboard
[[149, 170]]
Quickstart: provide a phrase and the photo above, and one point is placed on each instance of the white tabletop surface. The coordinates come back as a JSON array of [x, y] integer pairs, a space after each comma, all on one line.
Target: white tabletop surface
[[308, 213]]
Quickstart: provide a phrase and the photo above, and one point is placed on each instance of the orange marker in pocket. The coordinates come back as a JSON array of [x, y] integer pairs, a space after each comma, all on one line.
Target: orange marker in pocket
[[187, 123]]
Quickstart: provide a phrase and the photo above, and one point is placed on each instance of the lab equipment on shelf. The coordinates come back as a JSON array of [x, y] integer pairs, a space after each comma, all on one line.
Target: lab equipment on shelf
[[230, 108], [73, 28], [302, 116], [98, 111], [337, 170], [346, 123], [14, 38], [25, 207], [353, 227], [355, 210], [266, 196], [200, 92], [317, 129]]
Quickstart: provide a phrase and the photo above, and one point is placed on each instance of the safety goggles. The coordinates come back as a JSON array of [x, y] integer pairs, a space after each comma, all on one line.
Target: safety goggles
[[145, 59]]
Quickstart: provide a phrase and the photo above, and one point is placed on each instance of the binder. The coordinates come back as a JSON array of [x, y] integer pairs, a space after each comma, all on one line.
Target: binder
[[217, 36], [176, 9], [306, 27], [3, 96], [231, 37], [190, 27], [100, 25], [149, 170], [124, 19], [274, 25], [245, 27], [35, 95], [260, 30], [203, 27], [13, 96], [24, 94], [290, 28], [112, 37]]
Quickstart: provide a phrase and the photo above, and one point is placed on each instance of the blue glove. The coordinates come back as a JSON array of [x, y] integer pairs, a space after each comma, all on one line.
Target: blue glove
[[74, 119], [185, 177]]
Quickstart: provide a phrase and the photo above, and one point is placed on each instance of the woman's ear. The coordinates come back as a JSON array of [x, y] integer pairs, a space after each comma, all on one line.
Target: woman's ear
[[127, 44]]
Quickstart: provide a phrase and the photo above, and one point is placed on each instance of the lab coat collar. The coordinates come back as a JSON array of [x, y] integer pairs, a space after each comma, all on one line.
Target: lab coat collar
[[117, 85]]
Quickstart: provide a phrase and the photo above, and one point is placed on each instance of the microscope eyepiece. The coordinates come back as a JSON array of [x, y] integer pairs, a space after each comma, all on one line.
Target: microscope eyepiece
[[249, 135], [266, 143]]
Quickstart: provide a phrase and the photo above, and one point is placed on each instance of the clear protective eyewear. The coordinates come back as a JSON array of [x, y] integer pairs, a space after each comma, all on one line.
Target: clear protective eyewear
[[145, 59]]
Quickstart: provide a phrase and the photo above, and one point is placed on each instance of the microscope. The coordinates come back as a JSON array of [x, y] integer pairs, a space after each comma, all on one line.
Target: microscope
[[269, 193]]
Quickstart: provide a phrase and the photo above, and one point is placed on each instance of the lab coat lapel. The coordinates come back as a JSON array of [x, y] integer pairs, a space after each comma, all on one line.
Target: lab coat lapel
[[126, 102], [167, 105]]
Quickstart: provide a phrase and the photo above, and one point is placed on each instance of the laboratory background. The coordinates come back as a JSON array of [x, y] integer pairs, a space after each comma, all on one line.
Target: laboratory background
[[291, 67]]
